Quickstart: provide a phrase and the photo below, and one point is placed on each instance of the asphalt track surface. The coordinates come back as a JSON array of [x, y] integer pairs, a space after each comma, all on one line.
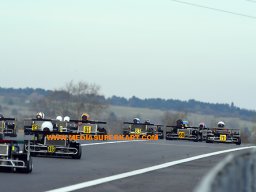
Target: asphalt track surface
[[108, 159]]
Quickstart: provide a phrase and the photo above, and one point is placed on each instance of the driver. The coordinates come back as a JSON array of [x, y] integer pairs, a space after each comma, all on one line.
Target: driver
[[179, 125], [40, 115], [221, 124], [136, 120], [85, 117], [202, 125]]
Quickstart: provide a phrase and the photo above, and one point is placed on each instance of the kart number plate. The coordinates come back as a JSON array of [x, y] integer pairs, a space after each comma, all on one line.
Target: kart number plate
[[223, 137], [34, 127], [87, 129], [51, 149], [181, 134], [137, 131]]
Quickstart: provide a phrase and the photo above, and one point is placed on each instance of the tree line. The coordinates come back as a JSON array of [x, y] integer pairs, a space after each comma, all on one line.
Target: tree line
[[190, 106], [77, 97], [74, 98]]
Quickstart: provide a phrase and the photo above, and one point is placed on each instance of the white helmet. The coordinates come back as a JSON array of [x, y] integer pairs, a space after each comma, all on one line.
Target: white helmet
[[202, 125], [47, 126], [67, 118], [221, 124], [147, 122], [136, 120], [59, 118], [40, 115]]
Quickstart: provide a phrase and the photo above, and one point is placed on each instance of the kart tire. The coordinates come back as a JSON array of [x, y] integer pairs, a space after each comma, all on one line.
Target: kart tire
[[238, 142], [34, 154], [79, 152], [200, 137], [28, 168], [197, 138], [168, 138], [208, 141], [161, 137]]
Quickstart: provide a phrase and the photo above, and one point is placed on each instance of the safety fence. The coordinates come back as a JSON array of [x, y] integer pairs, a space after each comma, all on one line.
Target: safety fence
[[236, 173]]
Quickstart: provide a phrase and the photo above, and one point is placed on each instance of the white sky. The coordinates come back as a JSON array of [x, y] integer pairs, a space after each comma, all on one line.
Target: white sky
[[146, 48]]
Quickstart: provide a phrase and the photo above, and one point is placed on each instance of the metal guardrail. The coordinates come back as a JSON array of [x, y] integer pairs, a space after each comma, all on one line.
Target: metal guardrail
[[236, 173]]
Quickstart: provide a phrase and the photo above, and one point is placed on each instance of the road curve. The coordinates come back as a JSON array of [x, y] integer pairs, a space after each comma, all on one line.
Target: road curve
[[102, 160]]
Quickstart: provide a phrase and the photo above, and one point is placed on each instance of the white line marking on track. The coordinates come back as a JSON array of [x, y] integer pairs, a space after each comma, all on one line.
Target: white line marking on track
[[141, 171], [111, 142], [186, 145]]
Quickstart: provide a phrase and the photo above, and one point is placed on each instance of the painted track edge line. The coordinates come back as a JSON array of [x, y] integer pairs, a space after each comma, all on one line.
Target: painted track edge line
[[141, 171], [111, 142]]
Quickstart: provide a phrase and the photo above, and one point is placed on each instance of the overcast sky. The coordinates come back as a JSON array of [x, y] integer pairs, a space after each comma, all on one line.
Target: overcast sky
[[147, 48]]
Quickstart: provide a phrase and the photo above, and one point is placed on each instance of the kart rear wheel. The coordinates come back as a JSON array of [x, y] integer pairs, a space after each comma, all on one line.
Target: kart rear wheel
[[162, 136], [168, 137], [28, 168], [239, 141], [79, 152], [208, 141], [197, 138], [200, 137]]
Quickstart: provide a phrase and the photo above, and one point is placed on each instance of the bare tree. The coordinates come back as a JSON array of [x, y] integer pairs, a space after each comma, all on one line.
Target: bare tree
[[170, 118], [72, 100], [60, 102], [84, 97]]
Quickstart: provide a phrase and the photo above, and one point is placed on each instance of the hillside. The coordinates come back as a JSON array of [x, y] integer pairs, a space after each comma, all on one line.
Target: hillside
[[23, 103], [190, 106]]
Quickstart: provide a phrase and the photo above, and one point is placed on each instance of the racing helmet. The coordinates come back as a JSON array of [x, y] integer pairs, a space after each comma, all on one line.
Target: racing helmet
[[67, 118], [159, 128], [46, 126], [147, 122], [136, 120], [85, 117], [179, 123], [202, 125], [59, 118], [185, 123], [40, 115], [221, 124]]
